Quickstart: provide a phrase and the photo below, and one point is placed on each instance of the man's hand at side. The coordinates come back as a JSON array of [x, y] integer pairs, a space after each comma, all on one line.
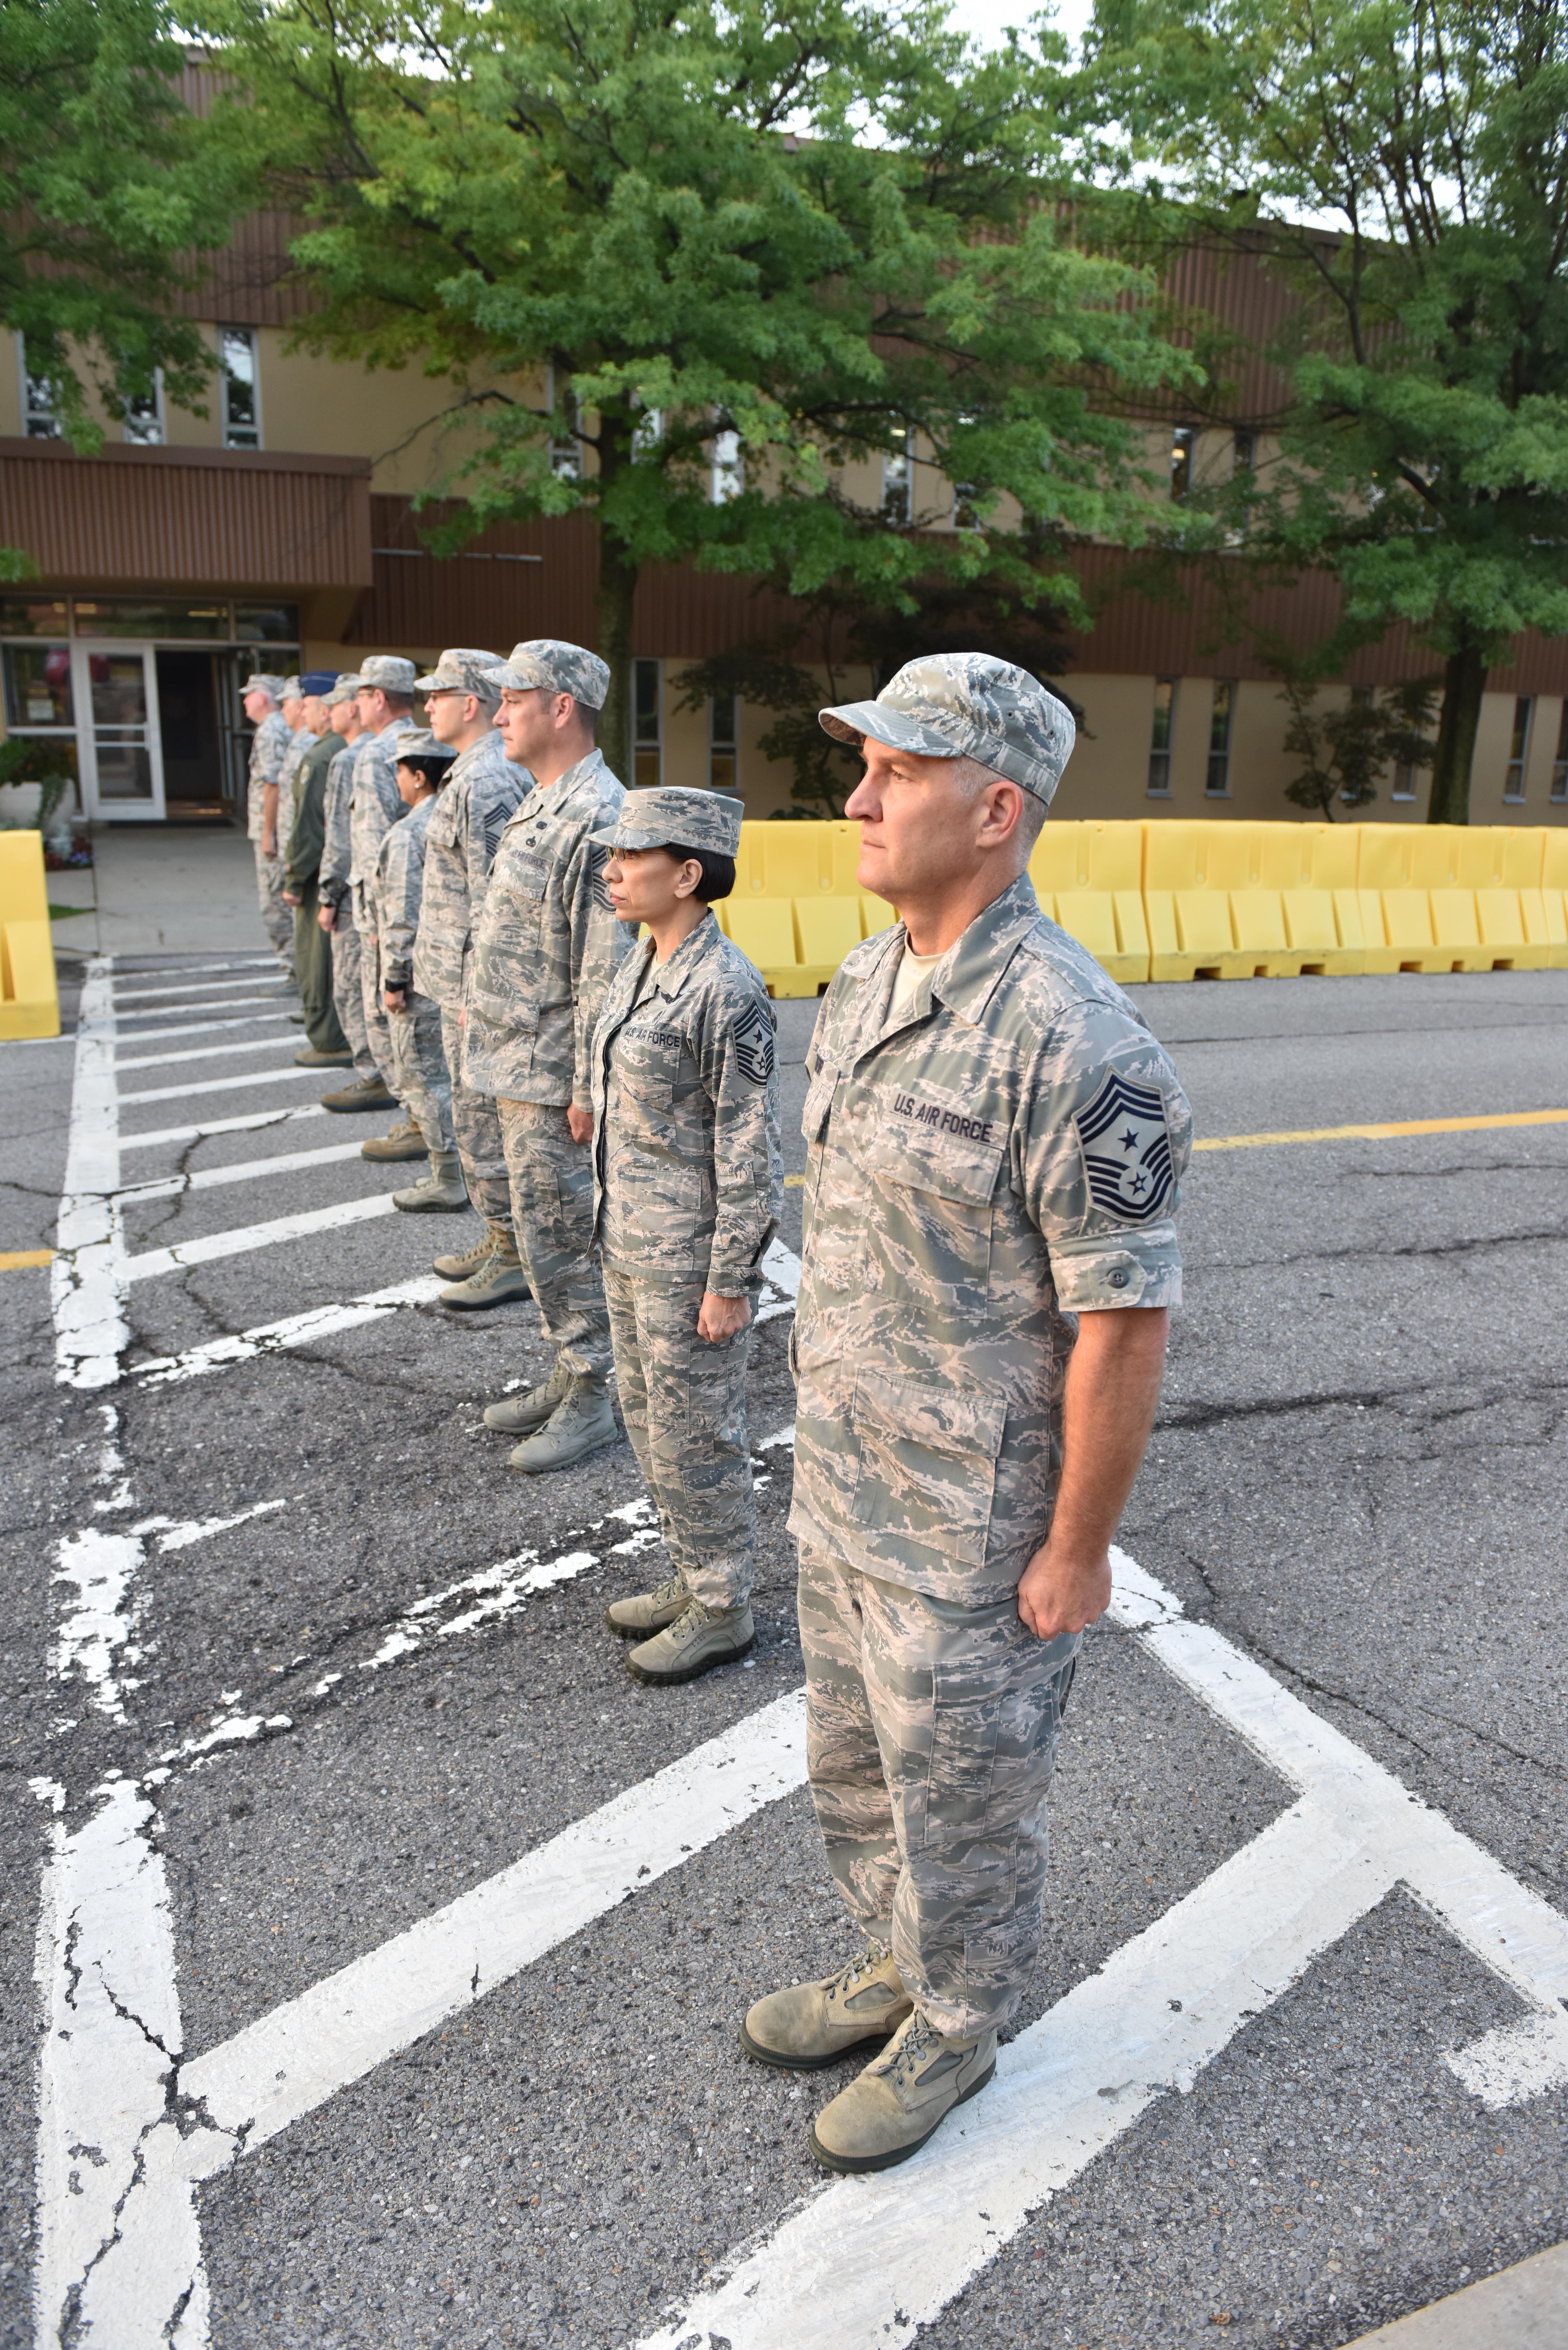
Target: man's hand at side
[[327, 918], [718, 1317], [1107, 1412], [580, 1124]]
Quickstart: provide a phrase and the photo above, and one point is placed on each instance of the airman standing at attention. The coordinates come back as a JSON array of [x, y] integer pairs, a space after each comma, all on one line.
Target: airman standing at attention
[[545, 948], [464, 832], [385, 700], [689, 1186], [326, 1046], [260, 697], [369, 1089], [419, 1064], [298, 702], [995, 1139]]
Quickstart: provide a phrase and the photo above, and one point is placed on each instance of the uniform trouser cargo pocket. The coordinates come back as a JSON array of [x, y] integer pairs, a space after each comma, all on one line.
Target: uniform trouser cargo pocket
[[932, 1738], [928, 1463]]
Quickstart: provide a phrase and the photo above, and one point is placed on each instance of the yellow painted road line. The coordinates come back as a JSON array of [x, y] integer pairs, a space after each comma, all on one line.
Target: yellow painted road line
[[15, 1260], [1387, 1132]]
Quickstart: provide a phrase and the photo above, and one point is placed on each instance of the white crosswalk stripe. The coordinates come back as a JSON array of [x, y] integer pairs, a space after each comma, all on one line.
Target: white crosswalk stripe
[[205, 1052], [240, 1242], [221, 1085], [249, 1170], [248, 1122]]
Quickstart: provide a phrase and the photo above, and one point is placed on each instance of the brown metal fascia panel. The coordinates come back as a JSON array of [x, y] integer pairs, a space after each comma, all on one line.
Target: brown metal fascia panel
[[188, 519]]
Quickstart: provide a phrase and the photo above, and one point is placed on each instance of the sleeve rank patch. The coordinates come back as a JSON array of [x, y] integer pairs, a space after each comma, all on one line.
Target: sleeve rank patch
[[1126, 1150], [752, 1036]]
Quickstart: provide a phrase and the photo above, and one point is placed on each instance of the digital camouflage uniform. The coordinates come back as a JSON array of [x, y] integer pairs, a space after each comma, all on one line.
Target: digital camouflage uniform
[[375, 807], [269, 745], [545, 946], [333, 889], [312, 948], [1004, 1155], [419, 1065], [299, 749], [480, 793], [689, 1189]]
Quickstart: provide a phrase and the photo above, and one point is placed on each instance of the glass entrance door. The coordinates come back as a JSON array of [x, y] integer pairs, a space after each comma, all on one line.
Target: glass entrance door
[[117, 719]]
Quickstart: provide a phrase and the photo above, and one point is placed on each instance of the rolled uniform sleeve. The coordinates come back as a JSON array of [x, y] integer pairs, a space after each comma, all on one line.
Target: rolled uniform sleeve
[[739, 1062], [599, 941], [1102, 1140]]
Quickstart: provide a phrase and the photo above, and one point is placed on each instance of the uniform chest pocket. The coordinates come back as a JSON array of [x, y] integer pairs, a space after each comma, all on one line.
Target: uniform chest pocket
[[818, 1110], [647, 1066], [936, 1184], [926, 1472]]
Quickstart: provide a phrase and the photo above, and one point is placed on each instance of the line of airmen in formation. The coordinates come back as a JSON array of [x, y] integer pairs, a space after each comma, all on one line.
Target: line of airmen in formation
[[994, 1142], [458, 906]]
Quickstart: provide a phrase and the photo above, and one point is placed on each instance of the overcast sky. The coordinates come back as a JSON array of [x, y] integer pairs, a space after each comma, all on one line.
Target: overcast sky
[[987, 19]]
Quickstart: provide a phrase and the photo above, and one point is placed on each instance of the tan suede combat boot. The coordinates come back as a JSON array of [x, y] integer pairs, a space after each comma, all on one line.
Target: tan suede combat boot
[[580, 1423], [700, 1638], [494, 1276], [309, 1057], [519, 1415], [404, 1141], [442, 1189], [458, 1265], [812, 2024], [643, 1612], [902, 2098], [368, 1093]]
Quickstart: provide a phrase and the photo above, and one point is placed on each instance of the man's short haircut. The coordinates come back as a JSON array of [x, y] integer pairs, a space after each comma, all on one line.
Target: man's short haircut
[[434, 771], [972, 778], [393, 701], [718, 872]]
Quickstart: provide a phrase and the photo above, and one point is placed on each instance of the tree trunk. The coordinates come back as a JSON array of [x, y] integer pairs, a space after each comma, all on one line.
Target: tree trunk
[[612, 617], [1463, 685]]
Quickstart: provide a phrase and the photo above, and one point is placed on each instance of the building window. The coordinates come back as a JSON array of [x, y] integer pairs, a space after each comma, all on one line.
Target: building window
[[1403, 784], [648, 744], [1244, 453], [40, 406], [1182, 442], [728, 476], [648, 431], [1518, 748], [1217, 782], [1159, 738], [897, 478], [566, 453], [1560, 764], [141, 422], [724, 744], [241, 386]]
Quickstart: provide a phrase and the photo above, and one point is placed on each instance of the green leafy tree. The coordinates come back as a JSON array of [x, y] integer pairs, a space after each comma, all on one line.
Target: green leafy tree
[[738, 292], [1346, 751], [109, 187], [1407, 167]]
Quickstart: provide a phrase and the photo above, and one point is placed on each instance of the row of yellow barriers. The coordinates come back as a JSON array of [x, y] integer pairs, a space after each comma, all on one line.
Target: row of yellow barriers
[[1166, 899], [29, 999]]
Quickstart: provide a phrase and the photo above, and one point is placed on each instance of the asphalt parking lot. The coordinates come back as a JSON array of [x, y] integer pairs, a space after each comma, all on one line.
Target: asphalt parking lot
[[392, 1941]]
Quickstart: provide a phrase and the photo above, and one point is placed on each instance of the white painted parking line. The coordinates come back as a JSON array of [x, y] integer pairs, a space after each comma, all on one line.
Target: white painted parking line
[[871, 2260], [254, 966], [85, 1276], [186, 1253], [134, 1018], [245, 1171], [223, 1086], [248, 1122], [293, 1330], [198, 1052], [124, 996]]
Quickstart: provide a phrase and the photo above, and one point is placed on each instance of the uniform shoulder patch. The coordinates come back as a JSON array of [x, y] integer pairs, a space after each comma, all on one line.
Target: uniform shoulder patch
[[1126, 1150], [496, 819], [752, 1036]]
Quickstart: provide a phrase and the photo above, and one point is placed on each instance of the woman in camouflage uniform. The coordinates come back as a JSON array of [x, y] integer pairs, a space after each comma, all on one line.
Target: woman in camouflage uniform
[[687, 1190]]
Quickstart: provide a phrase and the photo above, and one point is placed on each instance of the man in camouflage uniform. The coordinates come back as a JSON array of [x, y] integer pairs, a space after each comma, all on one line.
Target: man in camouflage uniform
[[369, 1089], [689, 1184], [299, 709], [260, 697], [419, 1064], [463, 834], [326, 1047], [995, 1139], [385, 699], [545, 948]]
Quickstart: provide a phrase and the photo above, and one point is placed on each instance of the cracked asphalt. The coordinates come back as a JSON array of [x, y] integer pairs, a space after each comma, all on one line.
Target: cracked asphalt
[[1359, 1475]]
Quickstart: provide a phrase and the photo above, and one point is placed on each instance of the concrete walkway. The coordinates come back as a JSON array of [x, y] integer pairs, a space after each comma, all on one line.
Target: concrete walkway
[[1523, 2308], [165, 887]]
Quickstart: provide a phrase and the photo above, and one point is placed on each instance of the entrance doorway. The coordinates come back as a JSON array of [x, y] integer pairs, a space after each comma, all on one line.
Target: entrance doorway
[[188, 722]]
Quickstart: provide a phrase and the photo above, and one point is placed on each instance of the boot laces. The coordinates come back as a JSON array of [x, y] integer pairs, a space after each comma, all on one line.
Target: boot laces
[[672, 1589], [918, 2041], [859, 1970]]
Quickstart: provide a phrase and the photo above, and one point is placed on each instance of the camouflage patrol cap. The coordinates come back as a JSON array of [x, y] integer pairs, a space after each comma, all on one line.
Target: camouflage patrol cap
[[967, 705], [416, 745], [462, 669], [348, 685], [388, 671], [260, 682], [291, 690], [677, 818], [552, 666]]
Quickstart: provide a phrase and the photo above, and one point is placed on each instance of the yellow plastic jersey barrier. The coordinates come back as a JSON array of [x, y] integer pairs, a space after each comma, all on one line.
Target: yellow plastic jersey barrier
[[1167, 898], [29, 999]]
